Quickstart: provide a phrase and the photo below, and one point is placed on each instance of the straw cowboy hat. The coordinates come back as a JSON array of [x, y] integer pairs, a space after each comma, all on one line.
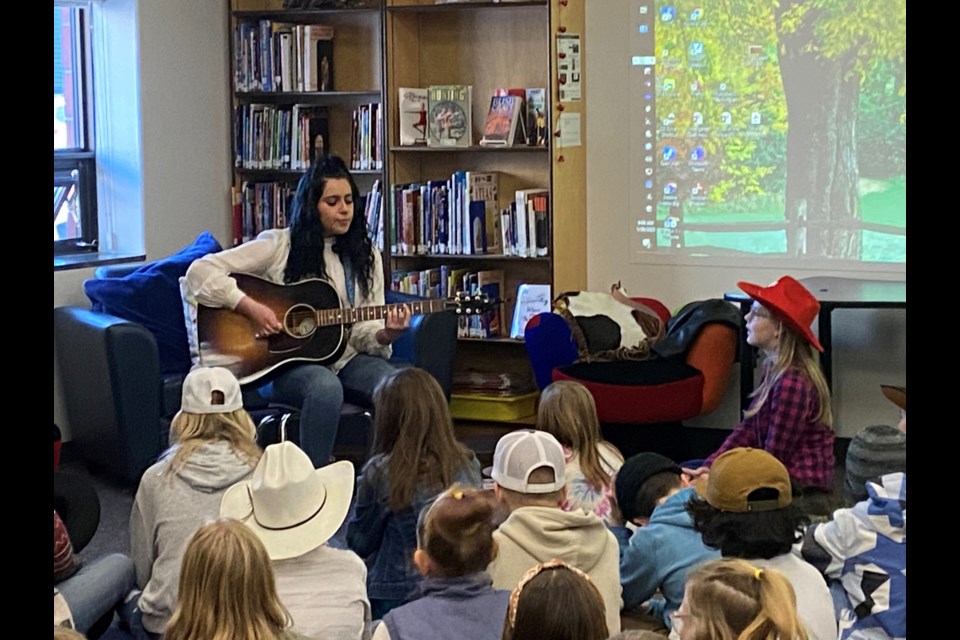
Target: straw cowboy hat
[[791, 302], [292, 507]]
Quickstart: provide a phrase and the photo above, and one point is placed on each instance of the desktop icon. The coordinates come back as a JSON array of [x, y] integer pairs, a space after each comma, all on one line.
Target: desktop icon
[[696, 14], [697, 118], [648, 171], [726, 118], [696, 49], [697, 154], [670, 189], [643, 28], [643, 9], [669, 84], [668, 13], [698, 189], [648, 184], [669, 119], [669, 153], [696, 87], [755, 118]]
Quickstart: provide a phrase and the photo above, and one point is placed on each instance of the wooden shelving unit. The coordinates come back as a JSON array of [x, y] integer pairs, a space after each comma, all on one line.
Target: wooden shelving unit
[[416, 43]]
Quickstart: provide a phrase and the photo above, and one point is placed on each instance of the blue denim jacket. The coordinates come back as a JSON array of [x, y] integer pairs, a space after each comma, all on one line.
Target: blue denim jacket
[[386, 540]]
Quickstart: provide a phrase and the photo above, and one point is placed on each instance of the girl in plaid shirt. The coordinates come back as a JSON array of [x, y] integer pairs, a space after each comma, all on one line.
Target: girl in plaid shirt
[[790, 414]]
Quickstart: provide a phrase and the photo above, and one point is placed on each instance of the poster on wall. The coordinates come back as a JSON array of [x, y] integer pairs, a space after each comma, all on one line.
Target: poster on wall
[[569, 69]]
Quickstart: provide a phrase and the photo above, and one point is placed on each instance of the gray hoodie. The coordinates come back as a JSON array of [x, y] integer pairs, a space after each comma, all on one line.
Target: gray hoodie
[[167, 511], [531, 535]]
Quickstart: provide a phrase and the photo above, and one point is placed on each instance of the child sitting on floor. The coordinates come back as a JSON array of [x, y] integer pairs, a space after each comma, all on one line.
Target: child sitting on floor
[[568, 412], [416, 456], [454, 546]]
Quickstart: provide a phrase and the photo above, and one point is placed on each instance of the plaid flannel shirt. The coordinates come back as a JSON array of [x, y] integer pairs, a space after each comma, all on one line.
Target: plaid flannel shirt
[[785, 427]]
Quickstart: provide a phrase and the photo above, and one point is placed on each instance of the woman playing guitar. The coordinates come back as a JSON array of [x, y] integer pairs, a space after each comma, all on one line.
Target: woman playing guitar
[[324, 241]]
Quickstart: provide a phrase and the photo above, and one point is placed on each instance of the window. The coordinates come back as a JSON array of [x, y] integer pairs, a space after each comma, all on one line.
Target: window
[[74, 157]]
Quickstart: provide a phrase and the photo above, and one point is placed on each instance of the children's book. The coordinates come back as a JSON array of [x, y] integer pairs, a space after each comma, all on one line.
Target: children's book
[[450, 115], [413, 116], [531, 300], [537, 117], [500, 129]]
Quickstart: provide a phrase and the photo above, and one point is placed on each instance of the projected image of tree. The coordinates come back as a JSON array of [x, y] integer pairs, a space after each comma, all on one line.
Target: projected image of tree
[[782, 128]]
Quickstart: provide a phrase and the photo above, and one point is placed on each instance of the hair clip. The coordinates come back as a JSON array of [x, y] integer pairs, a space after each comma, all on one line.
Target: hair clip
[[757, 573], [457, 495]]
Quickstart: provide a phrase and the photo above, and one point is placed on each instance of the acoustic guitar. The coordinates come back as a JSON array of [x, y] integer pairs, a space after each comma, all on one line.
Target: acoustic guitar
[[316, 325]]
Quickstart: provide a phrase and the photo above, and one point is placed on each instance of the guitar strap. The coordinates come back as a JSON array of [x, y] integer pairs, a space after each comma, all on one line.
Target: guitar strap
[[350, 282]]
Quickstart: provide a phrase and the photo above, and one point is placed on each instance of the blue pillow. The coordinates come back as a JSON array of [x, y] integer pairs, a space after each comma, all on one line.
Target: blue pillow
[[151, 296]]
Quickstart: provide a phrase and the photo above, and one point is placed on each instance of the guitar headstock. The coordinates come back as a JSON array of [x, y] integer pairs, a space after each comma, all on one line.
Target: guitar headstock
[[471, 303]]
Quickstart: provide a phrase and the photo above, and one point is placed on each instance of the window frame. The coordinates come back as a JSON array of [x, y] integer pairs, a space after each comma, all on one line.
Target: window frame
[[81, 159]]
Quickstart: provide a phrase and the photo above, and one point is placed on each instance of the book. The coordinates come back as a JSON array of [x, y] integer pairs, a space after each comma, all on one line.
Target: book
[[500, 128], [478, 227], [491, 283], [482, 186], [450, 115], [520, 133], [527, 221], [531, 300], [412, 116], [537, 117]]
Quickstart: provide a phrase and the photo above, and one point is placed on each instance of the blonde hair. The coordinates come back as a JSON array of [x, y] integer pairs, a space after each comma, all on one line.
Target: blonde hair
[[227, 589], [412, 425], [66, 633], [569, 413], [793, 351], [733, 600], [190, 431]]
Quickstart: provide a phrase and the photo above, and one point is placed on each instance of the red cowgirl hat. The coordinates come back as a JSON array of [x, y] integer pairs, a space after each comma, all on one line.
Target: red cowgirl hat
[[791, 302]]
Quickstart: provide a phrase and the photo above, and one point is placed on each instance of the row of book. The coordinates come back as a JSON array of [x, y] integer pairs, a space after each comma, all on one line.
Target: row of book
[[366, 141], [442, 116], [463, 215], [446, 281], [293, 136], [276, 56], [258, 206], [279, 137]]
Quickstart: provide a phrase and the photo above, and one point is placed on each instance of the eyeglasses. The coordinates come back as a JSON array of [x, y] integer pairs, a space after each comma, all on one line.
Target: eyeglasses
[[677, 619], [759, 311]]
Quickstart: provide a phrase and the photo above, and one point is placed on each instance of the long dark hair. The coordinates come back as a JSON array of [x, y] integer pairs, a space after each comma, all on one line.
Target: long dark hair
[[412, 425], [306, 230]]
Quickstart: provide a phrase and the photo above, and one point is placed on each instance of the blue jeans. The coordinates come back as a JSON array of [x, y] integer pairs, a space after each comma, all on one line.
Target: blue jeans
[[98, 588], [319, 392]]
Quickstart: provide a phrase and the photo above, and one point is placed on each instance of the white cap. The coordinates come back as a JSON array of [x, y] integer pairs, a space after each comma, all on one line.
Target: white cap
[[520, 452], [200, 385]]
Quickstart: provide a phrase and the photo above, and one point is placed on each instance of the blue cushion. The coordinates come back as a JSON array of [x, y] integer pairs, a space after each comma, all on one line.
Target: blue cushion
[[151, 296]]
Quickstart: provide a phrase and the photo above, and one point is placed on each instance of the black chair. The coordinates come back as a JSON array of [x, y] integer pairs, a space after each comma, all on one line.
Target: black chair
[[119, 406]]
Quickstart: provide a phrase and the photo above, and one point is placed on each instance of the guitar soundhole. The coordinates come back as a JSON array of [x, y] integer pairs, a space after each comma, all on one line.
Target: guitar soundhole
[[300, 321]]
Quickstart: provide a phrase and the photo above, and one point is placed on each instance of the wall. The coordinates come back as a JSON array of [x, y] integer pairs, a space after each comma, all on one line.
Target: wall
[[184, 98], [869, 346]]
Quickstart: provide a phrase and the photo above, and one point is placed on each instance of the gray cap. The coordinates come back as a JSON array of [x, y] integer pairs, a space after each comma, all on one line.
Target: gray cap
[[875, 451]]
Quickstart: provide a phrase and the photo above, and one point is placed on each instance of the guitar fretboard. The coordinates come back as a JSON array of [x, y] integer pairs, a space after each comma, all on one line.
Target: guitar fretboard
[[329, 317]]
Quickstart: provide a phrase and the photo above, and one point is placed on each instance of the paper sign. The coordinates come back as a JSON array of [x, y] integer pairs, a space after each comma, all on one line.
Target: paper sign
[[568, 67], [569, 124]]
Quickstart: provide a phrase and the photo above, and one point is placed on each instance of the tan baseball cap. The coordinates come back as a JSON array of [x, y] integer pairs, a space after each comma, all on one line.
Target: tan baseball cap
[[739, 472]]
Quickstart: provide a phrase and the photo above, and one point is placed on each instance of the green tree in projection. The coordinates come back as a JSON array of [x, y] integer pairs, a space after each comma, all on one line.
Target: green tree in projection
[[827, 49]]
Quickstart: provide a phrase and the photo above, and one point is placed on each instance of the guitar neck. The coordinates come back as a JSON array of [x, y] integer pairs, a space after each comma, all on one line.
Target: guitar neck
[[330, 317]]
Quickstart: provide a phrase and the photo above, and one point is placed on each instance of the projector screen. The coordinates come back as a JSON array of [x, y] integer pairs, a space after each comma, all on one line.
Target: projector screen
[[768, 131]]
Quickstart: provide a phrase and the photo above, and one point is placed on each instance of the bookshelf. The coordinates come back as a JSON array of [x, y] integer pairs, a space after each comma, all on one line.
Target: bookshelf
[[357, 79], [389, 44], [491, 45]]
